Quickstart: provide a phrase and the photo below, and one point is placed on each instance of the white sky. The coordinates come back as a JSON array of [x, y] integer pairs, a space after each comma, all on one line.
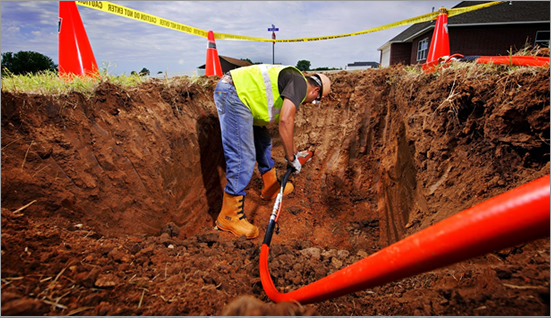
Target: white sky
[[124, 45]]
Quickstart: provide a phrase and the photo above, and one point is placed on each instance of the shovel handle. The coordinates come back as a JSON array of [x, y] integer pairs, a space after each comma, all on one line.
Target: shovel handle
[[277, 207], [286, 177]]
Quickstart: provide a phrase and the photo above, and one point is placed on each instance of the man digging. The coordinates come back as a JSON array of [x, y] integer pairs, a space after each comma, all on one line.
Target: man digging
[[247, 99]]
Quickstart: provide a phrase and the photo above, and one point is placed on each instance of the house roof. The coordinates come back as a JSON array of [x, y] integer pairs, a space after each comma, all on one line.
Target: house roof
[[236, 61], [357, 64], [512, 11], [230, 60], [503, 13]]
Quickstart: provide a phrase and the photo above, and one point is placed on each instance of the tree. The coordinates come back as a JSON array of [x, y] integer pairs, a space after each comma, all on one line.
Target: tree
[[144, 72], [303, 65], [24, 62]]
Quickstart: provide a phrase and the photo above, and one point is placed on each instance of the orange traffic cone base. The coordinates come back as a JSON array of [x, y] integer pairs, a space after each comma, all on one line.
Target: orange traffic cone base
[[75, 53], [440, 43]]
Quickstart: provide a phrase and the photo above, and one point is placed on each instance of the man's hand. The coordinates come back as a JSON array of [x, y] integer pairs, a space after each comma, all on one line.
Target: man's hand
[[295, 164]]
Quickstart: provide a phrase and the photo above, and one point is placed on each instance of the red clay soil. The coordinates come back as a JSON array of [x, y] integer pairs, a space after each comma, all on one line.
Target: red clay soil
[[109, 200]]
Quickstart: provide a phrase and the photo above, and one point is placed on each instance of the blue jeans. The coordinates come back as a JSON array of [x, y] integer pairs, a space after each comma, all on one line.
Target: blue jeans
[[243, 143]]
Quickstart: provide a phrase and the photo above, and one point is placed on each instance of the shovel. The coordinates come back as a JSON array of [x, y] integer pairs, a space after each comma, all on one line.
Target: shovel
[[303, 157]]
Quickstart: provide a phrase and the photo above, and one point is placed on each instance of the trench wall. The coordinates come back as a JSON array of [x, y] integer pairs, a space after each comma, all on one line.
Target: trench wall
[[410, 149]]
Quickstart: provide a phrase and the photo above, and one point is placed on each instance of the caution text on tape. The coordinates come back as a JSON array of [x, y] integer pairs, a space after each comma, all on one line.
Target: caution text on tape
[[122, 11]]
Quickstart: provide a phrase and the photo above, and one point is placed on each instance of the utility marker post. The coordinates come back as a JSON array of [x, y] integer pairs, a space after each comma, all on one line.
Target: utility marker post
[[273, 29]]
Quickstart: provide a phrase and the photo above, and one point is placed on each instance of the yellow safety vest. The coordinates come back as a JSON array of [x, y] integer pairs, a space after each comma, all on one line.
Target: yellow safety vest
[[257, 87]]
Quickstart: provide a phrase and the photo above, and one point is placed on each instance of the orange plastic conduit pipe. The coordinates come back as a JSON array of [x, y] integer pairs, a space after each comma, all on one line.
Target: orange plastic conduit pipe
[[515, 60], [514, 217]]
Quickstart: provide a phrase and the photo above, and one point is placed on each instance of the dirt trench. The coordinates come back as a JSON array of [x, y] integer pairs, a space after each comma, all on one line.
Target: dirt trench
[[124, 187]]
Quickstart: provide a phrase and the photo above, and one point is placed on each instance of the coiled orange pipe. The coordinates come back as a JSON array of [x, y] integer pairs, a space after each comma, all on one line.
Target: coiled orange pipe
[[514, 217]]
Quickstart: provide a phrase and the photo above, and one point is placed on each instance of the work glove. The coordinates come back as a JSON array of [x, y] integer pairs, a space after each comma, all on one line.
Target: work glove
[[304, 156], [295, 164]]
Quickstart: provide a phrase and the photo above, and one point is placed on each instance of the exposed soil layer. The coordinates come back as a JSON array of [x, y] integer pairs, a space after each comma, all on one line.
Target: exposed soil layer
[[109, 201]]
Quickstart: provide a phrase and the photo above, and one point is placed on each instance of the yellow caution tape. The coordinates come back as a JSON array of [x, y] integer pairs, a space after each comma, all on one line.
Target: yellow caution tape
[[109, 7], [423, 18]]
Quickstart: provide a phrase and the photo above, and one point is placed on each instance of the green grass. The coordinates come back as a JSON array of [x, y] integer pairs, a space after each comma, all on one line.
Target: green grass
[[49, 83]]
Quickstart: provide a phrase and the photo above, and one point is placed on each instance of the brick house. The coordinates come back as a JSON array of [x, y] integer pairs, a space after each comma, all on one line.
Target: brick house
[[495, 31]]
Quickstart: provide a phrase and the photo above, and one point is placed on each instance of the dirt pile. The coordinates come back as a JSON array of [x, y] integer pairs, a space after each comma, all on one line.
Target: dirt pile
[[120, 191]]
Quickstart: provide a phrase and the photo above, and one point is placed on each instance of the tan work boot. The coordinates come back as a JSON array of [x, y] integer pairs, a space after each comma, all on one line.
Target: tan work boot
[[232, 217], [272, 185]]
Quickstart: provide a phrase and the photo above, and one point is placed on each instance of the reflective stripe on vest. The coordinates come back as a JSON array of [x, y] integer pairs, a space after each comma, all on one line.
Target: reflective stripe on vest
[[273, 112], [257, 88]]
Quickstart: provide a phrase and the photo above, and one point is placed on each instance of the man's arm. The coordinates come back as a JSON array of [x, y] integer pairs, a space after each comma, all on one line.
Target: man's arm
[[286, 128]]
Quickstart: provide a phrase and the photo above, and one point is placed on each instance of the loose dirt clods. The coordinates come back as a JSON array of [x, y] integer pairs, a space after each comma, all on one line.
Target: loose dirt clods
[[108, 201]]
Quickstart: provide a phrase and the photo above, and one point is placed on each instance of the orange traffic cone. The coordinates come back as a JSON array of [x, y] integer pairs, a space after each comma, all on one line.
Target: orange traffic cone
[[440, 43], [213, 62], [75, 53]]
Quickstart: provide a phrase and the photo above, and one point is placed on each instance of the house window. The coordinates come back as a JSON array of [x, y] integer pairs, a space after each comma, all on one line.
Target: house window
[[422, 49], [542, 39]]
